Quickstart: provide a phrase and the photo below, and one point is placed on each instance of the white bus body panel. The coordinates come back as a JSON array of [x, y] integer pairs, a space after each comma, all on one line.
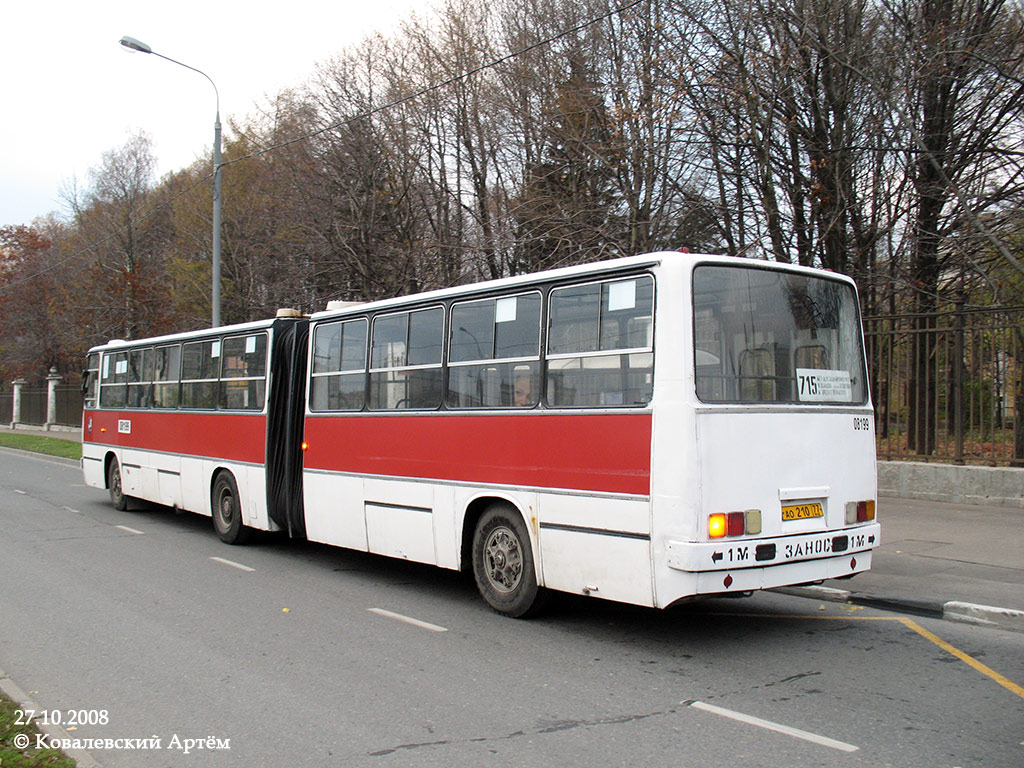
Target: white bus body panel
[[182, 482], [583, 544]]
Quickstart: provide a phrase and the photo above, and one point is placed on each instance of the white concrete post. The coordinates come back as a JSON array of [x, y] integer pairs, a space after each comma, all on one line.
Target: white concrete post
[[16, 404], [51, 397]]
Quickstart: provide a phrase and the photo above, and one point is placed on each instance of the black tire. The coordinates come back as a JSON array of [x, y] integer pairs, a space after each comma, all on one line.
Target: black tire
[[226, 510], [117, 497], [503, 564]]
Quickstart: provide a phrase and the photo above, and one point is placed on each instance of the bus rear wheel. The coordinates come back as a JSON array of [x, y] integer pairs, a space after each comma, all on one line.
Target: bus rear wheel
[[503, 564], [227, 510]]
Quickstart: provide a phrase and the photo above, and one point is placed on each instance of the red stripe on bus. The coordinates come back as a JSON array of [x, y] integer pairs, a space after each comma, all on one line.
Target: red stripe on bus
[[229, 436], [609, 453]]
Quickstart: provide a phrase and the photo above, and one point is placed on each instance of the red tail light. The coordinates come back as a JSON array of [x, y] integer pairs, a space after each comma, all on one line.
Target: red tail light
[[860, 511], [743, 523]]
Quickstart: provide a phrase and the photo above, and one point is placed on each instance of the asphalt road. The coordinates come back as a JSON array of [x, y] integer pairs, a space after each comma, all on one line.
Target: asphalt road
[[289, 654]]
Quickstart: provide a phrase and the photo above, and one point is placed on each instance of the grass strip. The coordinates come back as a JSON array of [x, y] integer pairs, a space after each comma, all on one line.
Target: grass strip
[[12, 725], [51, 446]]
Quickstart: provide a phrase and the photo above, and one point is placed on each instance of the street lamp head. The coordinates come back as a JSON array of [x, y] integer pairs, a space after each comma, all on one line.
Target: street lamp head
[[135, 45]]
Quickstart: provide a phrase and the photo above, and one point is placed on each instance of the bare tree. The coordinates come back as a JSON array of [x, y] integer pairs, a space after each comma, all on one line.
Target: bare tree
[[118, 222], [966, 114]]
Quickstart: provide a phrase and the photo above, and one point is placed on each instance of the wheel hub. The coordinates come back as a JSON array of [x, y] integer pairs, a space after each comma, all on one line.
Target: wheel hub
[[226, 509], [504, 560]]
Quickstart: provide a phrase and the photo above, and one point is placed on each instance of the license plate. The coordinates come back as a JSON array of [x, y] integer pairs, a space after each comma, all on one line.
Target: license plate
[[802, 511]]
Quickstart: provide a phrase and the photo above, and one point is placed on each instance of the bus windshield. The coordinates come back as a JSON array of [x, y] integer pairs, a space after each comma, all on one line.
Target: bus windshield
[[764, 336]]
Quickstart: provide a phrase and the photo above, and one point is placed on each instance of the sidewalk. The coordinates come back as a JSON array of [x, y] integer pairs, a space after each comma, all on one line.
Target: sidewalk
[[956, 561]]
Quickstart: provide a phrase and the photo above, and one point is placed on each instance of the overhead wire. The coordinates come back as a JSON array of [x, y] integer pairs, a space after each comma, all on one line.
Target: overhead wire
[[443, 84]]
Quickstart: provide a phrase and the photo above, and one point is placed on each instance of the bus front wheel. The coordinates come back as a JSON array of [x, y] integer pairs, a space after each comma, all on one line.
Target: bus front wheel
[[117, 497], [503, 564], [227, 510]]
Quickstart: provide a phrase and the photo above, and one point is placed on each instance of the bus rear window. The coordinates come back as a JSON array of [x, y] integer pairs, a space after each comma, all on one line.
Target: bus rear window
[[765, 336]]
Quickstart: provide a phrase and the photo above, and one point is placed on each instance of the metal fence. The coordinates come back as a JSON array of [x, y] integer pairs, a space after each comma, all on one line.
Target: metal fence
[[69, 405], [949, 386], [34, 407], [6, 407]]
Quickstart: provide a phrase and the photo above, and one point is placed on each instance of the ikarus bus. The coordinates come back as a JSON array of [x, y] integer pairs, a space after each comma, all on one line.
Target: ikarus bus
[[645, 430]]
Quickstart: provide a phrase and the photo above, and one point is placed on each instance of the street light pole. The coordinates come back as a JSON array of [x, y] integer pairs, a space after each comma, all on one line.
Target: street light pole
[[215, 250], [138, 45]]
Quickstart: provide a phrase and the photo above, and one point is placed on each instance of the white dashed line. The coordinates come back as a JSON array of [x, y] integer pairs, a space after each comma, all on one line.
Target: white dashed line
[[130, 530], [233, 564], [407, 620], [824, 741]]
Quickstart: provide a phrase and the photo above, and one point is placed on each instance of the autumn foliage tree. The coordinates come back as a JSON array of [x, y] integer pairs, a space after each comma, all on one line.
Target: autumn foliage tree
[[31, 342], [880, 139]]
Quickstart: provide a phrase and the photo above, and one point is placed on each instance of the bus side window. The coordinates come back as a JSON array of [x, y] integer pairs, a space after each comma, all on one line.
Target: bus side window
[[338, 380], [199, 369], [600, 344], [405, 360], [243, 377], [113, 389], [140, 378], [494, 353], [91, 380], [166, 370]]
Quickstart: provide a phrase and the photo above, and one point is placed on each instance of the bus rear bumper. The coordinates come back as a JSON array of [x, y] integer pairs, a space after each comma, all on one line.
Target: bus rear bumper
[[741, 565]]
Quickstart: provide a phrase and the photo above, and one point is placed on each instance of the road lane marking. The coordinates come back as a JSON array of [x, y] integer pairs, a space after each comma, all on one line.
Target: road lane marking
[[910, 624], [21, 492], [233, 564], [968, 660], [824, 741], [130, 530], [408, 620]]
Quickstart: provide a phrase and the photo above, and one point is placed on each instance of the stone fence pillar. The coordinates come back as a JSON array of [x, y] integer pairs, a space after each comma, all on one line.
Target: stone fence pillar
[[51, 397], [16, 403]]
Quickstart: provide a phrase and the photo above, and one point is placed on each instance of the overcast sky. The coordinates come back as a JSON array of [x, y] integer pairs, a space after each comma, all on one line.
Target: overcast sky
[[71, 92]]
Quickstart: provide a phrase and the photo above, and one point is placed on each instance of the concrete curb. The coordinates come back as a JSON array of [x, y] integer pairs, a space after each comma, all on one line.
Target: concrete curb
[[17, 694], [1004, 618], [42, 456], [952, 610]]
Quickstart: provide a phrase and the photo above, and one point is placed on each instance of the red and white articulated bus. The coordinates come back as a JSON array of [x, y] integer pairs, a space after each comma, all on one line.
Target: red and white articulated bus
[[646, 429]]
